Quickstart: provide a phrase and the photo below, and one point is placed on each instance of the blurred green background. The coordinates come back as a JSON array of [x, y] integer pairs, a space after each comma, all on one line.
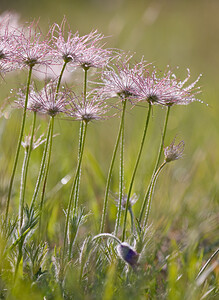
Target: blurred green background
[[166, 32]]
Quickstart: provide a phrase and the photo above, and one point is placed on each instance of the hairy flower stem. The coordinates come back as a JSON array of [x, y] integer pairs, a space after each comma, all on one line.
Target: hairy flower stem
[[46, 173], [85, 84], [42, 167], [77, 186], [132, 219], [135, 170], [157, 162], [82, 143], [22, 188], [60, 77], [41, 172], [103, 217], [18, 145], [149, 196], [28, 151], [121, 180], [107, 235], [70, 203]]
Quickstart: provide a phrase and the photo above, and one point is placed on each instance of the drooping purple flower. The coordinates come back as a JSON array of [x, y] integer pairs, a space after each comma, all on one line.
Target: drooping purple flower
[[128, 254], [93, 108], [84, 51], [174, 152], [166, 89], [119, 80]]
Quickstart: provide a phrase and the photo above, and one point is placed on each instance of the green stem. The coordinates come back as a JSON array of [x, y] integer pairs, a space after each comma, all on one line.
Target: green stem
[[121, 179], [108, 235], [21, 200], [42, 167], [82, 142], [157, 162], [18, 145], [111, 168], [70, 203], [46, 173], [60, 78], [25, 170], [135, 169], [46, 144], [85, 84], [77, 186], [132, 219], [163, 138], [148, 197]]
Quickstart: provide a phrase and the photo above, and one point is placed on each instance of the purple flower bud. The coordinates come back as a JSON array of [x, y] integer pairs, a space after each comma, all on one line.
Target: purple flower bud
[[128, 254]]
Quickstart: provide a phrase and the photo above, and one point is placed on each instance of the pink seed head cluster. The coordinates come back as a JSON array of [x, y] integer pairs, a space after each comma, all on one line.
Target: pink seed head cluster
[[32, 47], [84, 51], [46, 101], [165, 89], [119, 80], [120, 77], [89, 109], [8, 45]]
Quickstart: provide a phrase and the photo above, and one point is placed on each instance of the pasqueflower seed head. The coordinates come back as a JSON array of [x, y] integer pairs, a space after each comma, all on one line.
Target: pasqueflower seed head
[[33, 104], [89, 109], [84, 51], [32, 47], [120, 79], [46, 101], [166, 90], [49, 101], [174, 152], [8, 46]]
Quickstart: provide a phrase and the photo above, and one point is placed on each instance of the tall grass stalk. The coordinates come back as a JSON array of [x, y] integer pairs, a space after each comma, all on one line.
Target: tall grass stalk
[[19, 144], [134, 172], [156, 164], [103, 216]]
